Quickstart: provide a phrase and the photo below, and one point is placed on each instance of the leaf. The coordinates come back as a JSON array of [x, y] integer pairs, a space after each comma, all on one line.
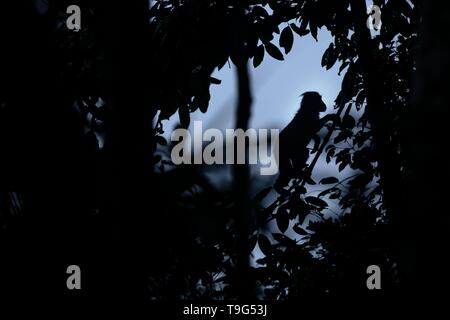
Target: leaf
[[316, 201], [329, 180], [259, 56], [252, 242], [313, 29], [348, 121], [262, 194], [202, 101], [343, 66], [360, 99], [286, 39], [330, 153], [336, 194], [340, 137], [324, 60], [214, 80], [325, 192], [301, 32], [329, 57], [310, 181], [184, 115], [348, 81], [221, 61], [273, 51], [299, 230], [264, 244], [282, 219], [260, 11]]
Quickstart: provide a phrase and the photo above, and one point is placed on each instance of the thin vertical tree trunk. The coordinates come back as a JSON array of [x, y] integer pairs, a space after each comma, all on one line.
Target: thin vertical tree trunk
[[241, 171], [242, 186], [379, 118]]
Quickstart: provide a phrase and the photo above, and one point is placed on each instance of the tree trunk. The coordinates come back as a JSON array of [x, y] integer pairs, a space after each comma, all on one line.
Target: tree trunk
[[378, 115], [242, 187], [241, 171]]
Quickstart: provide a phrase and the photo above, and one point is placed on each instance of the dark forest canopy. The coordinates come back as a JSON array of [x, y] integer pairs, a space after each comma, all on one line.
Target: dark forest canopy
[[123, 216]]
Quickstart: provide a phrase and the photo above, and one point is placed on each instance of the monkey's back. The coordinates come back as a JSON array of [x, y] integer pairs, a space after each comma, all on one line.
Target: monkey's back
[[299, 132]]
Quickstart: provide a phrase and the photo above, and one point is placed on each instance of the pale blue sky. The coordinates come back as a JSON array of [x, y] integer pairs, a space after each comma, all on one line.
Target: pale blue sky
[[276, 87]]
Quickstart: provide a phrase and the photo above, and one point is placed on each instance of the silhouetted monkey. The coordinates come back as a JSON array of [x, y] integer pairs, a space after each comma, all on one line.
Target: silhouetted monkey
[[294, 139]]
